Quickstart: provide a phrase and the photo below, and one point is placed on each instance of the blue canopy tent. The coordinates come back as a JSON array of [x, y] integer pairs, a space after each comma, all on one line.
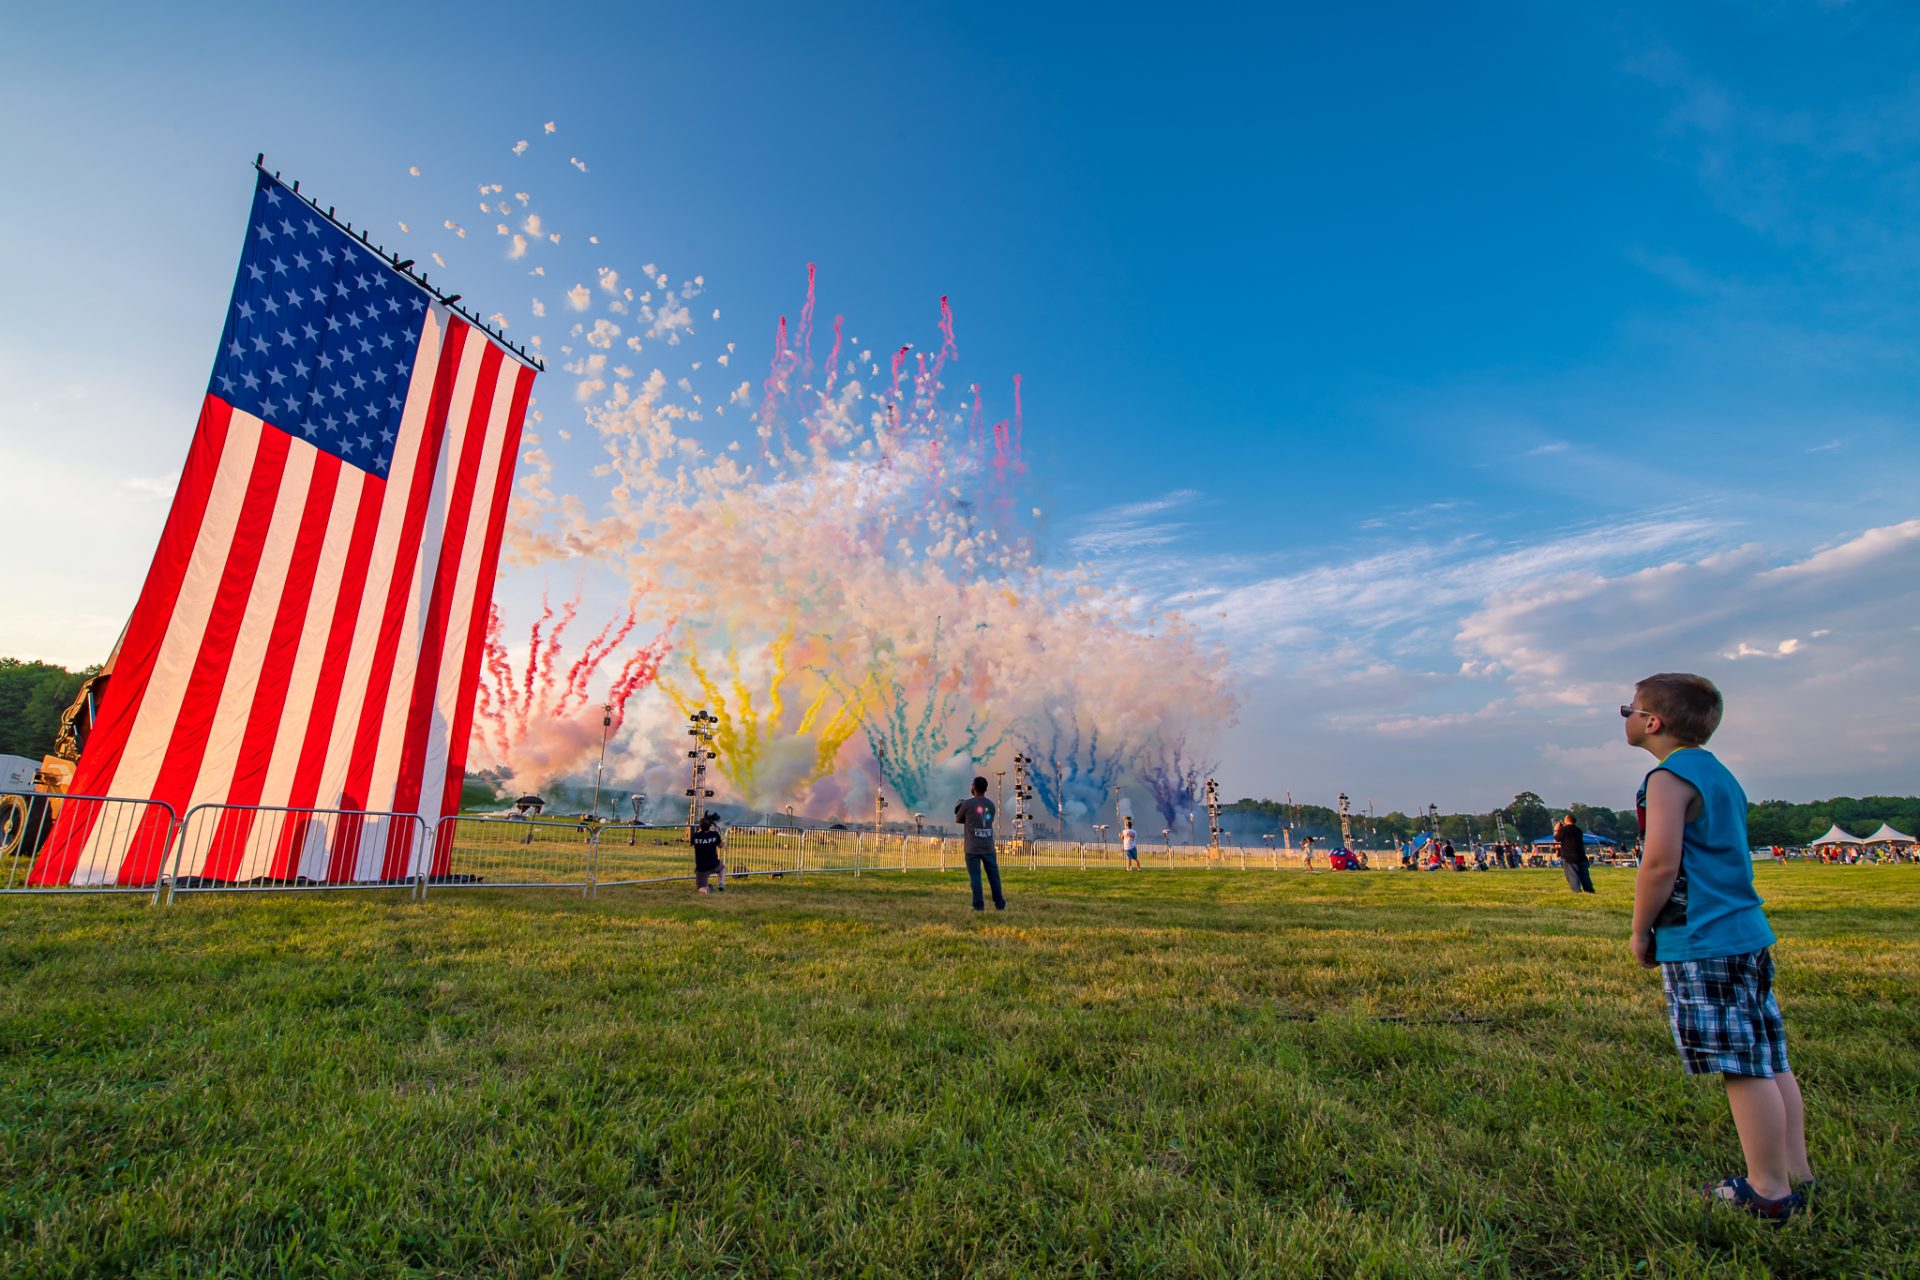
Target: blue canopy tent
[[1588, 836]]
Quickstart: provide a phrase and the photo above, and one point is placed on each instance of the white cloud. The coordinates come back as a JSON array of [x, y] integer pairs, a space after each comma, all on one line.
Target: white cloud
[[520, 147], [578, 163], [150, 487], [578, 297], [1132, 528]]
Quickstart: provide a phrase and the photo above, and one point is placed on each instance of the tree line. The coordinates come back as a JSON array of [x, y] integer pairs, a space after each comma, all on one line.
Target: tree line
[[32, 697], [1527, 817]]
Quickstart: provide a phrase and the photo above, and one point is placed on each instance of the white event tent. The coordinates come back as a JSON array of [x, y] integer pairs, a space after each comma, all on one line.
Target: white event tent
[[1836, 836], [1887, 835]]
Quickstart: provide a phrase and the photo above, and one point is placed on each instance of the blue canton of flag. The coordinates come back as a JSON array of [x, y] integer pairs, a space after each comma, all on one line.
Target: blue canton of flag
[[321, 336]]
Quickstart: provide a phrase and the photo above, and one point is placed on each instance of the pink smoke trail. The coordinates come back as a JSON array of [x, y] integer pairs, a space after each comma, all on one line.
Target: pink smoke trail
[[833, 361], [899, 361], [779, 371], [806, 323]]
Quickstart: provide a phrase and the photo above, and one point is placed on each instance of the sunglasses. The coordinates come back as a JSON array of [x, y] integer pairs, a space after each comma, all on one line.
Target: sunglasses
[[1627, 713]]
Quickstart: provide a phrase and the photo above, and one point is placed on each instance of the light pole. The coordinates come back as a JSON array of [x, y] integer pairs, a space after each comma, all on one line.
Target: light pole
[[700, 729], [1346, 824], [606, 726], [918, 818]]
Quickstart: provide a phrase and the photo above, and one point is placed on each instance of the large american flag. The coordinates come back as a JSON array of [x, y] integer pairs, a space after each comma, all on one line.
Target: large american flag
[[309, 634]]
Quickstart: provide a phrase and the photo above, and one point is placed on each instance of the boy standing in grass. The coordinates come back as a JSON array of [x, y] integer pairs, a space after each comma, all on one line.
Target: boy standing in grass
[[1696, 916]]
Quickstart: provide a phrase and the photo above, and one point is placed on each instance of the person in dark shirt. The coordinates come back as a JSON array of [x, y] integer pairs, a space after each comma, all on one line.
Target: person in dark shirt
[[975, 815], [1572, 843], [706, 854]]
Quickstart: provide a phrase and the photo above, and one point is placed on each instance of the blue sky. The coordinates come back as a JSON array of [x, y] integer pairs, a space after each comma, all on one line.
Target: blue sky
[[1452, 364]]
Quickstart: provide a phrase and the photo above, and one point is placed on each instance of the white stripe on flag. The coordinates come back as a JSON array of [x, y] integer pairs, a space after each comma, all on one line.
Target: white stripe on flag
[[152, 730]]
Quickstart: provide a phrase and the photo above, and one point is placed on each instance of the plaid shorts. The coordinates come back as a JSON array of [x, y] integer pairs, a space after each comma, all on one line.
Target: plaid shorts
[[1724, 1016]]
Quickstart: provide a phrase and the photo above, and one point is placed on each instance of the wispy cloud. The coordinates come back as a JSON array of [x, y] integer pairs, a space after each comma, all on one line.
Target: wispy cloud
[[1133, 527], [1828, 447]]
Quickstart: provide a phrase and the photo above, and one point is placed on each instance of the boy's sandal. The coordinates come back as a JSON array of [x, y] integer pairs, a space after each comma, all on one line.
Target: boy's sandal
[[1740, 1193]]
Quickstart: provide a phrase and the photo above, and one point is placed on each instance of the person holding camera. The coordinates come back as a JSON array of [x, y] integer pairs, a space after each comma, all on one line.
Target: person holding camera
[[975, 815]]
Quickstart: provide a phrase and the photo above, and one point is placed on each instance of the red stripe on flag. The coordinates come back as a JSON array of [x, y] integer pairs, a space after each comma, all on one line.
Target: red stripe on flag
[[139, 649], [476, 628], [446, 579], [406, 562], [187, 744], [276, 670]]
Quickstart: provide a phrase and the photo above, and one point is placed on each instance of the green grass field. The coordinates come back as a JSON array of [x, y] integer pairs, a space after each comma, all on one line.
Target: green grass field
[[1189, 1073]]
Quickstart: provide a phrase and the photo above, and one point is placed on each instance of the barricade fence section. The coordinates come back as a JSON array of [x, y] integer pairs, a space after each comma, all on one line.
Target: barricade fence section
[[227, 848], [69, 844], [56, 843], [471, 852]]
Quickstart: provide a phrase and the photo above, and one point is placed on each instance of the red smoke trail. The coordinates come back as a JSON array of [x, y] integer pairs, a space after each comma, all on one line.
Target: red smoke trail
[[974, 439], [639, 671], [589, 661], [533, 657], [567, 613]]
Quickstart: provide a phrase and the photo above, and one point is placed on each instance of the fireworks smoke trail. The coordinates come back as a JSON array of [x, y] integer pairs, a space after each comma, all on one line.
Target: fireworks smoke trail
[[555, 733]]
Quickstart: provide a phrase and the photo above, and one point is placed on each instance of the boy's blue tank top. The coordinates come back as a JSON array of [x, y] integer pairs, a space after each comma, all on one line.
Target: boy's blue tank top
[[1714, 910]]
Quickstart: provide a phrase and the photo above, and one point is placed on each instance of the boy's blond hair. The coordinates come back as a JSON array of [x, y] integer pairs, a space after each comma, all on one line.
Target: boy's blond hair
[[1690, 705]]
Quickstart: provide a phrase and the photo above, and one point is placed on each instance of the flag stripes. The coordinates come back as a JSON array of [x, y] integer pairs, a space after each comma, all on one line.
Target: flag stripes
[[309, 633]]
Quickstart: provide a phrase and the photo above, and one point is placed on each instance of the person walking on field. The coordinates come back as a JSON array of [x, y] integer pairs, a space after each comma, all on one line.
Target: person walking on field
[[1130, 845], [706, 854], [1572, 843], [1697, 917], [975, 815]]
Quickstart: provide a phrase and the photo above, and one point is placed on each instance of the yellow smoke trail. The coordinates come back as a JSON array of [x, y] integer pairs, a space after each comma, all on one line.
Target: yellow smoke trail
[[743, 731]]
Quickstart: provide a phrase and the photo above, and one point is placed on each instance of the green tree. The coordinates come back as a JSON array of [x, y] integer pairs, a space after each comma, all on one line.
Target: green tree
[[32, 696], [1530, 816]]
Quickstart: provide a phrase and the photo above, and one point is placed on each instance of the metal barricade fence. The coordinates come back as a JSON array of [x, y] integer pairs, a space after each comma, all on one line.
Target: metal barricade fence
[[484, 852], [253, 848], [55, 843]]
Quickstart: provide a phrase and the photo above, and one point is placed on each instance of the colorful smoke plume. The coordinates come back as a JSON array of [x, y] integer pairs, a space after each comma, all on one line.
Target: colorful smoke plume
[[853, 579]]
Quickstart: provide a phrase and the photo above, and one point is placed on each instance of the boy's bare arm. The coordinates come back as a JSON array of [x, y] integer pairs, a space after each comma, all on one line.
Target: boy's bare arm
[[1667, 801]]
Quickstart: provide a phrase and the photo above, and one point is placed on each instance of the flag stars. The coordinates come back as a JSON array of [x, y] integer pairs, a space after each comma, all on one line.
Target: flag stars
[[286, 228], [366, 442], [279, 265], [226, 384], [386, 436], [309, 332], [293, 297], [255, 272], [234, 348], [272, 194], [260, 344], [339, 392], [244, 310], [319, 294], [272, 307], [359, 383], [265, 232], [326, 255], [251, 383], [276, 377], [301, 261], [326, 361], [300, 369], [386, 341], [286, 338]]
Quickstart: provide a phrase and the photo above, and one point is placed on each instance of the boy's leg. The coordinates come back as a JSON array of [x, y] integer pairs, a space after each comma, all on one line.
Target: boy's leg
[[1760, 1117], [973, 876], [1799, 1167]]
